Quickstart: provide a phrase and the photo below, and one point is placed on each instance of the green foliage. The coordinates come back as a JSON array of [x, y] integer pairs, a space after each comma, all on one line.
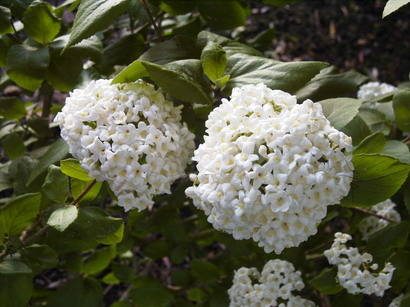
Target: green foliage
[[326, 281], [340, 111], [63, 217], [401, 105]]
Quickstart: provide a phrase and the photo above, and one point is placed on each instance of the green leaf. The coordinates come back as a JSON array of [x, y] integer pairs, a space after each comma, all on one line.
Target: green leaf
[[110, 279], [330, 83], [57, 151], [98, 261], [196, 294], [340, 111], [227, 14], [127, 49], [40, 255], [181, 278], [263, 41], [90, 47], [401, 106], [41, 126], [375, 179], [5, 20], [11, 266], [40, 23], [204, 271], [72, 168], [13, 145], [115, 237], [15, 290], [393, 5], [19, 212], [136, 70], [63, 217], [27, 65], [93, 16], [56, 186], [398, 150], [123, 272], [78, 186], [157, 250], [178, 7], [326, 282], [280, 2], [372, 144], [12, 108], [401, 261], [213, 60], [80, 292], [64, 71], [357, 129], [288, 77], [343, 299], [151, 297]]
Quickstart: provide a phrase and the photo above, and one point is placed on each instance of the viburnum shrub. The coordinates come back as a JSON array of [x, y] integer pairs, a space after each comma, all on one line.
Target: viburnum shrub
[[148, 161]]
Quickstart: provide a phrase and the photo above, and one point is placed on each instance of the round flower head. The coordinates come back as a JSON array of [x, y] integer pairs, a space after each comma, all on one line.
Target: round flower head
[[372, 224], [397, 301], [128, 135], [371, 90], [355, 272], [275, 286], [269, 167]]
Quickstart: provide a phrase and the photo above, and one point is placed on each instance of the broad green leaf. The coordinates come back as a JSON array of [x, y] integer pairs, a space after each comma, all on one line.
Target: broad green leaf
[[288, 77], [401, 105], [56, 186], [123, 272], [114, 237], [19, 212], [401, 261], [11, 266], [98, 261], [393, 5], [181, 278], [80, 292], [15, 290], [178, 7], [91, 47], [63, 217], [196, 294], [177, 48], [57, 151], [222, 81], [5, 20], [64, 71], [343, 299], [227, 14], [13, 145], [12, 108], [326, 282], [340, 111], [127, 49], [131, 73], [40, 23], [375, 179], [213, 60], [280, 2], [78, 186], [27, 65], [263, 41], [383, 242], [93, 16], [357, 129], [110, 279], [398, 150], [151, 297], [72, 168], [40, 256], [157, 250], [5, 44], [204, 271], [330, 83], [375, 119], [372, 144]]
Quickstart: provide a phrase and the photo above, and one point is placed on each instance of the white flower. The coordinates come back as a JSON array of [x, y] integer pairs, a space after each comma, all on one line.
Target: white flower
[[274, 286], [128, 135], [269, 167], [373, 89], [397, 301], [372, 224], [354, 271]]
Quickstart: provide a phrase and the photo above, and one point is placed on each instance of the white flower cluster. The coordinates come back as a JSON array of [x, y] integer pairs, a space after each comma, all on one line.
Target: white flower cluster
[[128, 135], [269, 167], [397, 301], [274, 287], [373, 89], [372, 224], [354, 271]]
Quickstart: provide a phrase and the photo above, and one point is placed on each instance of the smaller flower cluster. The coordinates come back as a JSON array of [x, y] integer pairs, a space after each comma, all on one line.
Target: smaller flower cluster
[[276, 283], [372, 224], [373, 89], [354, 271], [128, 135], [397, 301]]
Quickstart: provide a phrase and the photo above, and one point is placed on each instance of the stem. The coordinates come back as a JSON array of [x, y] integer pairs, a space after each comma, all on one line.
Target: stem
[[375, 214], [85, 191], [26, 231], [151, 18], [38, 234], [17, 38], [203, 234], [47, 92]]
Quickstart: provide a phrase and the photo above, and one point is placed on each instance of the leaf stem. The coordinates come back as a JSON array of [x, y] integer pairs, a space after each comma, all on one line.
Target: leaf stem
[[151, 18], [85, 191], [375, 214]]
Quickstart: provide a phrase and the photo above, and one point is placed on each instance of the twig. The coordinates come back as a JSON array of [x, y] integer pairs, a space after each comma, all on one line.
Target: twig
[[151, 18], [203, 234], [26, 231], [85, 191], [375, 214], [38, 234]]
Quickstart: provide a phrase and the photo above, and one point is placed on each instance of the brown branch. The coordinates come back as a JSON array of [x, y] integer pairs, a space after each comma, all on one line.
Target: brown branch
[[85, 191], [151, 18], [375, 214]]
